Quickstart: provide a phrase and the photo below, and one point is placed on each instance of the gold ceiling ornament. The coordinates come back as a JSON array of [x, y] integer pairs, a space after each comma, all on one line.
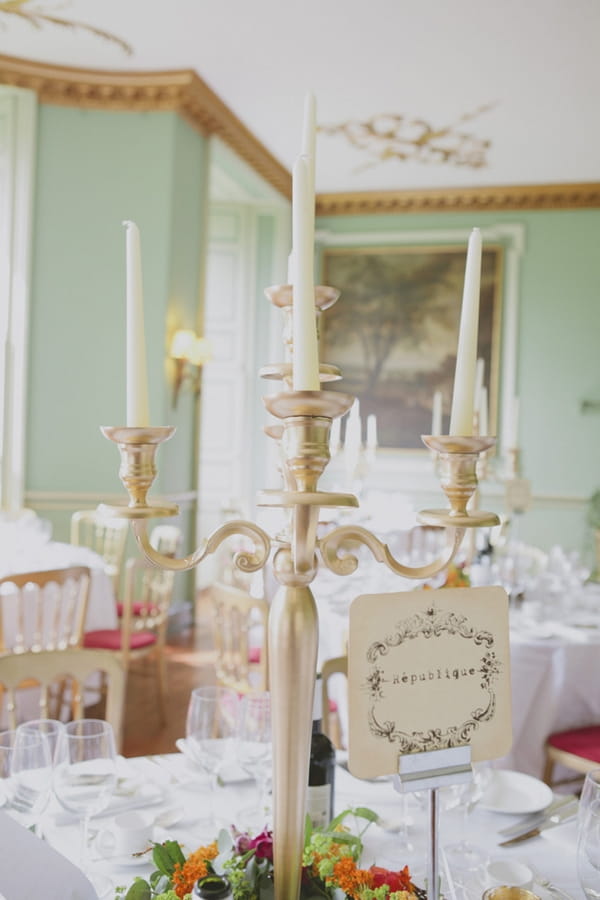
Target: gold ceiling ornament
[[38, 17], [495, 198], [395, 136]]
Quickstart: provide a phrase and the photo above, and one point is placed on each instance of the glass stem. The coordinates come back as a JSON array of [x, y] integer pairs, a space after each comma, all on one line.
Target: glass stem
[[85, 829]]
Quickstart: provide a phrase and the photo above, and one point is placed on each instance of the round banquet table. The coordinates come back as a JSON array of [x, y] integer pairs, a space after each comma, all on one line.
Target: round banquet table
[[156, 784]]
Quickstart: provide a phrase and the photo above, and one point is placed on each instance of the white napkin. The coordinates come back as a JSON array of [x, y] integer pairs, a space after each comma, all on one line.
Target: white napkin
[[29, 867]]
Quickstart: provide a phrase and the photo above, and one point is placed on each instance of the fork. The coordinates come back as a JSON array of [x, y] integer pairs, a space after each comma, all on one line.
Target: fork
[[550, 886]]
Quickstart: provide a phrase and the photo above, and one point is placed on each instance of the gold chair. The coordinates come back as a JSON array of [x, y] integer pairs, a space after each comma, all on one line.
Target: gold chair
[[577, 749], [330, 722], [107, 537], [143, 626], [50, 671], [241, 662], [43, 610]]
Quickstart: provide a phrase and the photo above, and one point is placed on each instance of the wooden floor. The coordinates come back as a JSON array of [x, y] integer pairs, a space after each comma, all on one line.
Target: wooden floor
[[189, 665]]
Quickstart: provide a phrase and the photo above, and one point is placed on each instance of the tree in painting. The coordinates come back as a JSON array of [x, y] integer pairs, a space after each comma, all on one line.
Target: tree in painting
[[394, 331]]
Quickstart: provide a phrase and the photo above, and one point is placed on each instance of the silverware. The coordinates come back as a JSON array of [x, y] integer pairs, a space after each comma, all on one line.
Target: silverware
[[566, 812], [534, 819]]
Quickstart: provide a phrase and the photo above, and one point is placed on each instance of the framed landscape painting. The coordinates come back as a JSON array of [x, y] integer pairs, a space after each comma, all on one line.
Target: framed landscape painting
[[394, 332]]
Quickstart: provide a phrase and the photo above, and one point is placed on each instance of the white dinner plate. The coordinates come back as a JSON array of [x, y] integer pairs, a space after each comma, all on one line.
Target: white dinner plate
[[515, 793]]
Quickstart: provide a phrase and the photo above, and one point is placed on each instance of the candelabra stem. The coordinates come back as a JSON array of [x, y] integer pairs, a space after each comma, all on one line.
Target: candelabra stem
[[293, 639]]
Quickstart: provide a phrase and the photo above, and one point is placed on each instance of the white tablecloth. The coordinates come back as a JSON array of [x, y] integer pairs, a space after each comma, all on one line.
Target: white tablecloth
[[171, 783]]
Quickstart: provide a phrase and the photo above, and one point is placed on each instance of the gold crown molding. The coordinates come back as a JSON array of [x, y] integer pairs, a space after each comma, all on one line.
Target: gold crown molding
[[180, 90], [492, 199]]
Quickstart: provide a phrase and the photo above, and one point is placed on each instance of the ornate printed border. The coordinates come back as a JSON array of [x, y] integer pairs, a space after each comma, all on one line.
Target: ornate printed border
[[432, 624]]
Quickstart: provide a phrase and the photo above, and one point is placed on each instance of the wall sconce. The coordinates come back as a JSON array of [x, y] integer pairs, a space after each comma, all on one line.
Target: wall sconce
[[189, 353]]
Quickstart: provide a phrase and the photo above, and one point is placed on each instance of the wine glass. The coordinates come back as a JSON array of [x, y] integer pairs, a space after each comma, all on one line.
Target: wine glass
[[588, 850], [211, 725], [85, 774], [254, 745], [50, 728], [7, 740], [589, 793], [464, 855], [31, 773]]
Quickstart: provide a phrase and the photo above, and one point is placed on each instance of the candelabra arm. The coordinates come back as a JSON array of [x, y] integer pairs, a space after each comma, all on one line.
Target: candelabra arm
[[245, 561], [333, 542]]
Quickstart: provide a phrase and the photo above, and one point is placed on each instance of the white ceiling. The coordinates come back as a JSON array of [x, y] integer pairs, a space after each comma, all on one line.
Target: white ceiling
[[534, 63]]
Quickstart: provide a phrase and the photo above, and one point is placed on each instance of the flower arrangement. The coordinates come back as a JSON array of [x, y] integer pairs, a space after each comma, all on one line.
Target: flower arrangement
[[330, 866]]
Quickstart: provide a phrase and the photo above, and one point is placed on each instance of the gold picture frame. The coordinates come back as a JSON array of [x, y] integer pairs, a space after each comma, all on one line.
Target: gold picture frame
[[394, 332]]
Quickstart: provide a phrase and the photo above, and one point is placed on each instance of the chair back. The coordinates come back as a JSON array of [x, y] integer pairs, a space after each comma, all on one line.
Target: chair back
[[330, 725], [240, 638], [43, 610], [48, 670], [148, 595], [105, 536], [166, 539]]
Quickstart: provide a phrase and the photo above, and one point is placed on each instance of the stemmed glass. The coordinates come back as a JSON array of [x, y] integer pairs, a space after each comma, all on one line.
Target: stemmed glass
[[211, 725], [7, 741], [50, 728], [31, 774], [464, 854], [588, 843], [85, 775], [254, 744]]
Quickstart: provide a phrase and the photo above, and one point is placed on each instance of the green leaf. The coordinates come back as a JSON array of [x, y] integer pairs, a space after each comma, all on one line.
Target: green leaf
[[163, 860], [139, 890], [365, 813]]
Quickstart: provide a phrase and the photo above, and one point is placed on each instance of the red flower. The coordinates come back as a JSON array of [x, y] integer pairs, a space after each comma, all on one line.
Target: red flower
[[263, 844], [396, 881]]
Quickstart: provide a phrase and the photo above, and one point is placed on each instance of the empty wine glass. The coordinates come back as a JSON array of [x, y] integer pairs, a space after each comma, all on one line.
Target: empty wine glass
[[211, 725], [50, 728], [464, 854], [588, 850], [7, 740], [254, 746], [31, 774], [85, 774]]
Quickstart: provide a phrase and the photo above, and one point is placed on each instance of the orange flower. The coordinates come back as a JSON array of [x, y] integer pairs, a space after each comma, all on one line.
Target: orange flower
[[195, 867], [349, 878]]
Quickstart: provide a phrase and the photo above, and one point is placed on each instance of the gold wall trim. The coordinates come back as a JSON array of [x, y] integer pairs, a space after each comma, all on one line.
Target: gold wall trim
[[182, 91], [492, 199]]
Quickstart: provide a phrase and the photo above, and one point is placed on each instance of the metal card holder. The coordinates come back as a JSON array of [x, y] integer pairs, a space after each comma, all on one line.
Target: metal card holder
[[429, 771]]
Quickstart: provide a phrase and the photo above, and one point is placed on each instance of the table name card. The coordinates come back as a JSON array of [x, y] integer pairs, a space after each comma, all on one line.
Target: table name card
[[427, 670]]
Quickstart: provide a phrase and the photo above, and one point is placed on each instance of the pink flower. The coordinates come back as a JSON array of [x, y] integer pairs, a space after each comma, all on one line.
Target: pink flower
[[262, 844]]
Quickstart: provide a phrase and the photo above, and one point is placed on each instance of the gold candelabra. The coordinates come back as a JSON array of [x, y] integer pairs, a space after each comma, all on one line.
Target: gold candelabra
[[305, 419]]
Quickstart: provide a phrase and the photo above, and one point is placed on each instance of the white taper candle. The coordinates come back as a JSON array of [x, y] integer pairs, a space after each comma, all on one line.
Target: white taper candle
[[461, 418], [305, 359], [137, 383], [436, 416]]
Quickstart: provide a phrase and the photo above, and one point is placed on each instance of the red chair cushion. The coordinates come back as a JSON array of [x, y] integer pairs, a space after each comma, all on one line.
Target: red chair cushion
[[254, 654], [584, 742], [110, 639], [137, 609]]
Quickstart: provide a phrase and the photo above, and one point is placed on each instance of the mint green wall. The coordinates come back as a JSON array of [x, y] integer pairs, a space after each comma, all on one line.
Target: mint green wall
[[94, 170], [558, 366]]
